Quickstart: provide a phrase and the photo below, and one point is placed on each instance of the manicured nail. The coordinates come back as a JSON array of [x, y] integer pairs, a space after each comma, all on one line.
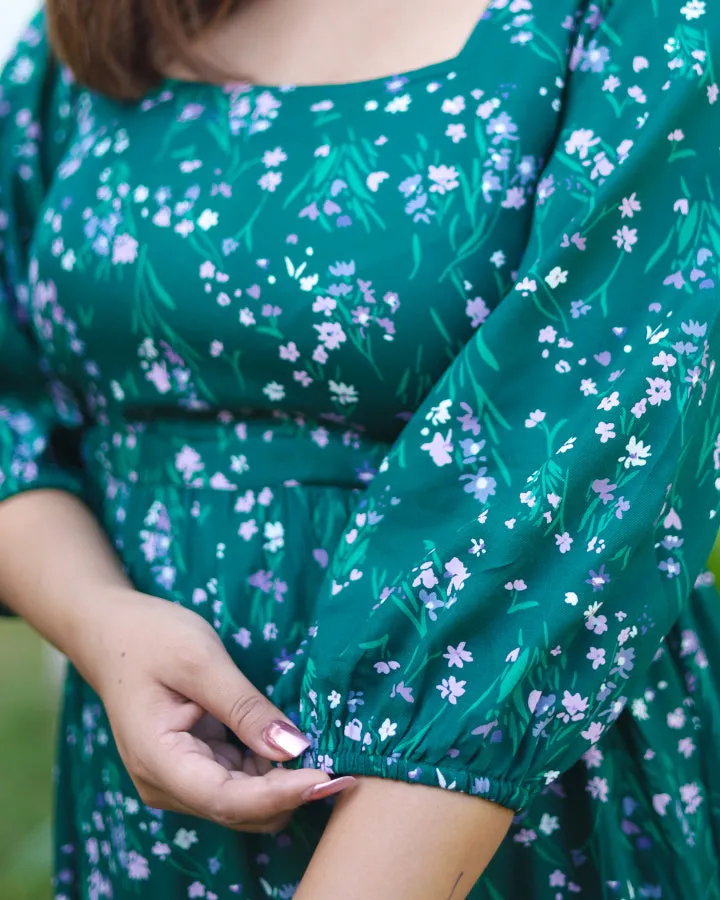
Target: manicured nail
[[286, 738], [321, 791]]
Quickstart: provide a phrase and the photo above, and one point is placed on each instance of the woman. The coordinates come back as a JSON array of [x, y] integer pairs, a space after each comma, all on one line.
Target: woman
[[402, 390]]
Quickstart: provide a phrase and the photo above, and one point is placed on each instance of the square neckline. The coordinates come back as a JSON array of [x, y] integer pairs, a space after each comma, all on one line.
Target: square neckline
[[419, 73]]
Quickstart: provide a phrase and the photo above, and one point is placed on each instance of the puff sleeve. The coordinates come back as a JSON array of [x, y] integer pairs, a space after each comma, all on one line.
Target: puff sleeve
[[536, 528]]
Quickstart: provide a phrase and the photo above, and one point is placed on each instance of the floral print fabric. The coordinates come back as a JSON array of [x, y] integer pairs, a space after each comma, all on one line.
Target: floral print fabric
[[408, 386]]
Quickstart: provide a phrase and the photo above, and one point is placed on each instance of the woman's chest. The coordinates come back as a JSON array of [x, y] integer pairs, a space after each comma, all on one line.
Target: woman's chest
[[327, 250]]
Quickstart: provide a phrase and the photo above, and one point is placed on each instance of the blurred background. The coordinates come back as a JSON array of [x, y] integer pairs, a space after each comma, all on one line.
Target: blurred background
[[29, 693], [28, 696]]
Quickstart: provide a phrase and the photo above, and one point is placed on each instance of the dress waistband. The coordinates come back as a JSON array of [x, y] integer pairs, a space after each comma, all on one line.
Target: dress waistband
[[231, 455]]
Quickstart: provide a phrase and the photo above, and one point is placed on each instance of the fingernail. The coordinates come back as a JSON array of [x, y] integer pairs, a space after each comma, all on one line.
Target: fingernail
[[321, 791], [286, 738]]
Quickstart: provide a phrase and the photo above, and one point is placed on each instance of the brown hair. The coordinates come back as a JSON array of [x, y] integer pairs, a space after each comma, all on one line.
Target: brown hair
[[117, 46]]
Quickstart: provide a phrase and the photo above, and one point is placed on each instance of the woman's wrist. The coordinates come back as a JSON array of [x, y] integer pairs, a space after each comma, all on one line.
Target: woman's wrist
[[100, 627]]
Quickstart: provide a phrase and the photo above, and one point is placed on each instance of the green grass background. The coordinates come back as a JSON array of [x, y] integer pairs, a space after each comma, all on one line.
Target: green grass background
[[27, 724]]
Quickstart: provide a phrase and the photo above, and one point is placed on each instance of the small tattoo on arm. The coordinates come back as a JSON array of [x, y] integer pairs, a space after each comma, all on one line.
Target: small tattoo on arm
[[452, 892]]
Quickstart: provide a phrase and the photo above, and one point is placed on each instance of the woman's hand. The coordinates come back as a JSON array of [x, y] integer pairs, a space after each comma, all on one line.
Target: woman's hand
[[165, 678], [170, 688]]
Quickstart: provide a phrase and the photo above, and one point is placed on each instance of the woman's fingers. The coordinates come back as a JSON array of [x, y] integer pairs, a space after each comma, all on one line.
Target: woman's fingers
[[189, 773], [209, 729], [216, 684], [228, 756]]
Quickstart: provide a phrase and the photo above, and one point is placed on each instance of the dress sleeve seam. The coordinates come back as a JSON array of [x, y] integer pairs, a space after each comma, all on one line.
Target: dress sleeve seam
[[510, 794]]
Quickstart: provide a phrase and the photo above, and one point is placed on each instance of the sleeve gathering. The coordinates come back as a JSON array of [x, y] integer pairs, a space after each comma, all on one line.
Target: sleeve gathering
[[532, 535]]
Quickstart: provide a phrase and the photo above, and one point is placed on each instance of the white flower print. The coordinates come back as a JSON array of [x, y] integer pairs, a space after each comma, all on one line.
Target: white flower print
[[556, 277], [443, 178], [456, 132], [274, 534], [637, 453], [387, 729], [694, 9], [400, 103], [208, 219], [185, 838], [440, 414], [440, 360], [274, 391], [343, 393]]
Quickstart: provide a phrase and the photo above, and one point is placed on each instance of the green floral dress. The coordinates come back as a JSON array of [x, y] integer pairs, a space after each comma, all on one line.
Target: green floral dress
[[409, 388]]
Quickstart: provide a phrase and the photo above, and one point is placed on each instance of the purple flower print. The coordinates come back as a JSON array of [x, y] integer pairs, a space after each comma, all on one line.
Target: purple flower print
[[342, 269], [593, 758], [457, 656], [694, 329], [670, 567], [471, 450], [262, 580], [598, 789], [514, 198], [417, 209], [404, 691], [690, 643], [431, 603], [595, 58], [621, 507], [451, 689], [137, 867], [603, 487], [477, 310], [598, 579], [659, 390], [410, 185], [468, 420], [458, 574], [686, 747], [545, 190], [310, 212], [597, 624], [691, 797], [624, 662], [526, 169], [331, 334], [575, 706], [596, 655], [125, 250], [480, 485], [490, 184]]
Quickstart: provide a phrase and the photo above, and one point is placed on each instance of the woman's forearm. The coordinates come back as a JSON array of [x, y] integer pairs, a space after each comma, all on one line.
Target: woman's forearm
[[56, 566], [394, 841]]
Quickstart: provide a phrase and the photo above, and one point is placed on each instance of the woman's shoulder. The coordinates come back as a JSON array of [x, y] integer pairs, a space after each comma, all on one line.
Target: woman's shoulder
[[37, 102]]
